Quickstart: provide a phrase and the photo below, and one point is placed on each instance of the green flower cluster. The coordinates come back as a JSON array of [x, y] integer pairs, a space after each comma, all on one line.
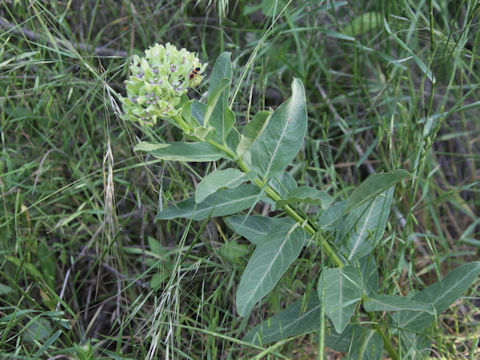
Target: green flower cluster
[[158, 82]]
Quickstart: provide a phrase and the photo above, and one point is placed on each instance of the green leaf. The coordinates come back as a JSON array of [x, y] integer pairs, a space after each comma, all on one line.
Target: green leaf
[[156, 247], [330, 217], [233, 252], [228, 178], [256, 228], [204, 134], [213, 99], [366, 344], [225, 202], [283, 183], [269, 262], [252, 130], [187, 114], [395, 303], [306, 195], [373, 186], [414, 346], [197, 152], [361, 229], [343, 289], [369, 270], [198, 111], [440, 295], [5, 290], [340, 342], [38, 329], [282, 138], [220, 118], [222, 69], [294, 320]]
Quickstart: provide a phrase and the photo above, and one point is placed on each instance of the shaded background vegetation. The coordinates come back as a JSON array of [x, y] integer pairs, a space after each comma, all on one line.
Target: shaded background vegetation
[[85, 271]]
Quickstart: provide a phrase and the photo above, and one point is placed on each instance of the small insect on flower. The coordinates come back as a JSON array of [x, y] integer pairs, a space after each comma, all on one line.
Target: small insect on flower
[[194, 73]]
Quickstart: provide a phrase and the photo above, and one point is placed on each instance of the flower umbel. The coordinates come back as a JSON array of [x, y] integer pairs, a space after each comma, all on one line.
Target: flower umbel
[[158, 82]]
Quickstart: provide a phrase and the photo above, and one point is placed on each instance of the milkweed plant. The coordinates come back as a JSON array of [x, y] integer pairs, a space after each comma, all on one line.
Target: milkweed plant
[[347, 309]]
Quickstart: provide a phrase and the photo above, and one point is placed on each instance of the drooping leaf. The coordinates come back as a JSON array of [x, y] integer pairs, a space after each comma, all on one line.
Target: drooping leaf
[[269, 262], [195, 152], [255, 228], [228, 178], [222, 203], [361, 229], [294, 320], [373, 186], [252, 130], [220, 118], [440, 295], [366, 345], [306, 195], [280, 142], [385, 302], [343, 289]]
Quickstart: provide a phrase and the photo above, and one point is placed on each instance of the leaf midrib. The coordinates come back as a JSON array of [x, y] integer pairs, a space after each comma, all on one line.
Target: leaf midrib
[[255, 289]]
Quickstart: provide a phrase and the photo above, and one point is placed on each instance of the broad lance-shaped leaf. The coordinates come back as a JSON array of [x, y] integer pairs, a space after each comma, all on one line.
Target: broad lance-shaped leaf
[[228, 178], [282, 138], [373, 186], [225, 202], [221, 117], [269, 262], [361, 229], [252, 130], [306, 195], [384, 302], [294, 320], [255, 228], [440, 295], [343, 289], [181, 151]]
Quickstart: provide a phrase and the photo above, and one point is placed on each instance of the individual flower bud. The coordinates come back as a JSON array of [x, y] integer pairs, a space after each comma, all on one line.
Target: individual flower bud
[[158, 81]]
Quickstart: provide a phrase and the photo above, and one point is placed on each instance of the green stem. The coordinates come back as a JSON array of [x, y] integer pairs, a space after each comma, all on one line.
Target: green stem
[[272, 194]]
